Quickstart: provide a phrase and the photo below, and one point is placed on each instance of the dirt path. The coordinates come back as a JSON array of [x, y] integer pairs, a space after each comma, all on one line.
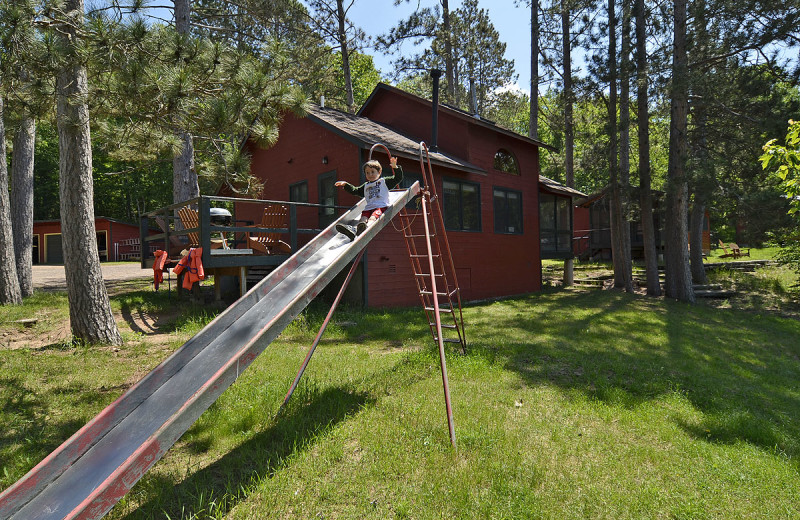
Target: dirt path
[[118, 277], [51, 277]]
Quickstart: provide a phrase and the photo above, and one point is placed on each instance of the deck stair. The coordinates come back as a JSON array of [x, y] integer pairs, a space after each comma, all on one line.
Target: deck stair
[[740, 265], [712, 291], [432, 261], [588, 282]]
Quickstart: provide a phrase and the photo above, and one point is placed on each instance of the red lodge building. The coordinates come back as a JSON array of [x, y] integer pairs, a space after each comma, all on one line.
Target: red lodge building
[[502, 218]]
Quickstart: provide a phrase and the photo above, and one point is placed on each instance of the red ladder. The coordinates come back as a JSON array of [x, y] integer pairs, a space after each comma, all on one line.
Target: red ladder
[[432, 261], [434, 270]]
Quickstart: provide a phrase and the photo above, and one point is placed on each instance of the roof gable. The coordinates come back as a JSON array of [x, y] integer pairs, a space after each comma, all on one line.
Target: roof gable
[[457, 113]]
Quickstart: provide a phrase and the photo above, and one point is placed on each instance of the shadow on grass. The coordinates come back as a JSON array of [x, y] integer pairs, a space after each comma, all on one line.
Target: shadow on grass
[[738, 369], [30, 431], [149, 312], [221, 485]]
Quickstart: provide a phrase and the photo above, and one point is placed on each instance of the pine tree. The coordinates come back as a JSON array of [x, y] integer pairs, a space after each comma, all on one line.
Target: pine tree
[[90, 314], [17, 45], [9, 283], [533, 131], [643, 127], [620, 228], [678, 281], [185, 185], [625, 281], [331, 21], [475, 51]]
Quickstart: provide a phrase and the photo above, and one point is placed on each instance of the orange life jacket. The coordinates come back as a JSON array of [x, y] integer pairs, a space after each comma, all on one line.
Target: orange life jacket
[[158, 267], [193, 264]]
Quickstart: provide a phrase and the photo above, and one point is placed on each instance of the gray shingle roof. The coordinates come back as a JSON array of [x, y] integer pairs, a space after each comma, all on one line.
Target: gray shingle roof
[[557, 187], [365, 132]]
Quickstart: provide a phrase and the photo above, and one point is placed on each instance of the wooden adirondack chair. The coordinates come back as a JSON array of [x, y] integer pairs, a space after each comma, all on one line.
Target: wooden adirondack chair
[[190, 220], [269, 242], [725, 252], [737, 251]]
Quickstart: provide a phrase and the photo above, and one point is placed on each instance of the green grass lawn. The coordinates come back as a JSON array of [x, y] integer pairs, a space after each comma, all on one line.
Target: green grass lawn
[[569, 404]]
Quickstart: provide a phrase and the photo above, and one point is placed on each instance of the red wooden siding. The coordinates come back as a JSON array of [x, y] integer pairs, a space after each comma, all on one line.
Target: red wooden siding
[[581, 229], [298, 156]]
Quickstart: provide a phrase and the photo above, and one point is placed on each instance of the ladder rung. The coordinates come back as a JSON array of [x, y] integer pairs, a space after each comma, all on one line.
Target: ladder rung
[[428, 274], [447, 340], [424, 256], [444, 326], [441, 309], [430, 293]]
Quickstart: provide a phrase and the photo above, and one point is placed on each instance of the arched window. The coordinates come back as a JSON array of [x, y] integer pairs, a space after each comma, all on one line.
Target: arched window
[[505, 162]]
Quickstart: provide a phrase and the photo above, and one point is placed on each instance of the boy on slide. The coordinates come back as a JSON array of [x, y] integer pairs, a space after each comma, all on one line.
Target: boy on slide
[[375, 190]]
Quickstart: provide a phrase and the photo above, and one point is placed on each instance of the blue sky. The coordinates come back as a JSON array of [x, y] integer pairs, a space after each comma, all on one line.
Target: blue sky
[[513, 23]]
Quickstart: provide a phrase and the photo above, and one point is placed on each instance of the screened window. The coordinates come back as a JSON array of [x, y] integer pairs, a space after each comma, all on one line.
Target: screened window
[[327, 199], [505, 162], [298, 192], [507, 211], [408, 180], [555, 226], [462, 205]]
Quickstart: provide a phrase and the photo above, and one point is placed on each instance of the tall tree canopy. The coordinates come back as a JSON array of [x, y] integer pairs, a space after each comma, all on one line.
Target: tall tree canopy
[[469, 41]]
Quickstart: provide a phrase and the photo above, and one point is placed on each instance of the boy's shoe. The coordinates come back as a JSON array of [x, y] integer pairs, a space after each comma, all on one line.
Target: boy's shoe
[[346, 230], [362, 226]]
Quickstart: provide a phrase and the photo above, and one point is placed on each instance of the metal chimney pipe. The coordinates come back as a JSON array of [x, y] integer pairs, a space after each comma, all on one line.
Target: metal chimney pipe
[[474, 97], [435, 74]]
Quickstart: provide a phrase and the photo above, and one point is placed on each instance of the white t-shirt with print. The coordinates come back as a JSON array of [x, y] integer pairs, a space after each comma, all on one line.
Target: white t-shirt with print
[[377, 194]]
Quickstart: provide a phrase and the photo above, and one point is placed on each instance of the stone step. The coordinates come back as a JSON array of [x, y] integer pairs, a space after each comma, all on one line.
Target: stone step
[[589, 282], [708, 293]]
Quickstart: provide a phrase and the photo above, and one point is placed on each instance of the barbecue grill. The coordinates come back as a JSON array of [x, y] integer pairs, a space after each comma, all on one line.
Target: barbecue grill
[[220, 217]]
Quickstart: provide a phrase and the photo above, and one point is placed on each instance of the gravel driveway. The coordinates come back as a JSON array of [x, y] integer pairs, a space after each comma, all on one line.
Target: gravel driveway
[[51, 277]]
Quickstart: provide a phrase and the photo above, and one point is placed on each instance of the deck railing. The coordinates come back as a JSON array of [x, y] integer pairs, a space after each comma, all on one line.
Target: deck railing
[[305, 220]]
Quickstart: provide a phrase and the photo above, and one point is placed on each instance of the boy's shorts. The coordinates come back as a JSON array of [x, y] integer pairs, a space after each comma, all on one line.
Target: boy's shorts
[[377, 212]]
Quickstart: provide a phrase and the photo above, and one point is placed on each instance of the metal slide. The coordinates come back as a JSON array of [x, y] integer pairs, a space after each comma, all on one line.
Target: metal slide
[[100, 463]]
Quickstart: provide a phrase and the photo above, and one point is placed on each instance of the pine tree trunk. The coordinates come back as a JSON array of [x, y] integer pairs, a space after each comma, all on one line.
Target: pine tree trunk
[[703, 181], [643, 124], [342, 36], [183, 11], [22, 202], [696, 220], [184, 181], [624, 148], [449, 69], [678, 278], [9, 283], [615, 206], [569, 133], [89, 308], [533, 126]]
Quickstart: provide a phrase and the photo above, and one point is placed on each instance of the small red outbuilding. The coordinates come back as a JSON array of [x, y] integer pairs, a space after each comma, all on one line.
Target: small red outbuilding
[[116, 240]]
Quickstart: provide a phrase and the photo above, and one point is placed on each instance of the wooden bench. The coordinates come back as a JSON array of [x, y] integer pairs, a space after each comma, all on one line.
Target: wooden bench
[[724, 250], [739, 252]]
